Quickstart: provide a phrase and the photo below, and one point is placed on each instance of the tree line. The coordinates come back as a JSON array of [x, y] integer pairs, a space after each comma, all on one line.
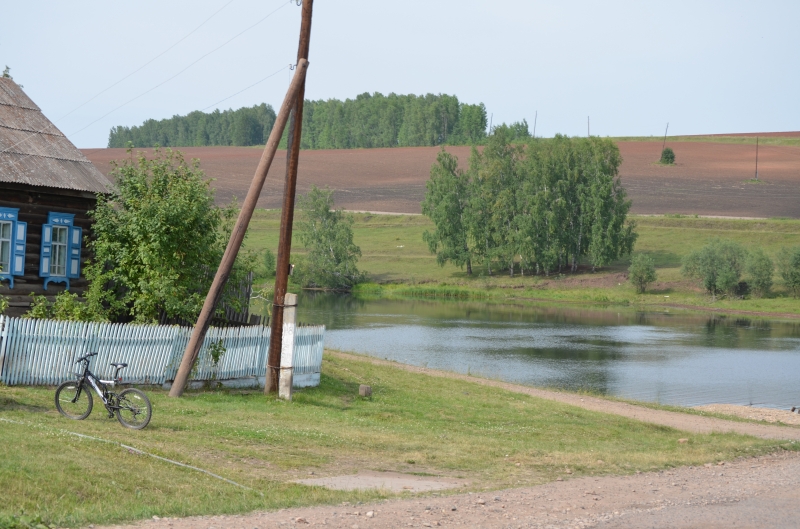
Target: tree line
[[369, 120], [538, 207], [245, 126]]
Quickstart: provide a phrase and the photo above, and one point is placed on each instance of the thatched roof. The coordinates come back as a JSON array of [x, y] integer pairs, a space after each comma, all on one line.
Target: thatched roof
[[34, 152]]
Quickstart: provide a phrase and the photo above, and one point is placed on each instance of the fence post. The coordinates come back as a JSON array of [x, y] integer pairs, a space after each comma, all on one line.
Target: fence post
[[287, 347], [3, 340]]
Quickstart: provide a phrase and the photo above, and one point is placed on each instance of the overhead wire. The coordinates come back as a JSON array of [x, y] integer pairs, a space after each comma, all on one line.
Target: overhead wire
[[248, 88], [181, 71], [145, 64], [52, 125]]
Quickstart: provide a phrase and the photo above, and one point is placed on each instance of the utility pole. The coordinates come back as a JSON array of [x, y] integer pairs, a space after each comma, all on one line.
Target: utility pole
[[756, 157], [237, 235], [287, 212], [534, 123], [588, 130], [663, 145], [490, 123]]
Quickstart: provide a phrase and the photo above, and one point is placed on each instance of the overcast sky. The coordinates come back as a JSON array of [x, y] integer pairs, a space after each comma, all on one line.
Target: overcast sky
[[632, 66]]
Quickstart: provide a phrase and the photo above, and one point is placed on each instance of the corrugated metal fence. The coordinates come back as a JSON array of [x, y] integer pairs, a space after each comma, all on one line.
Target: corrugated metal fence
[[43, 352]]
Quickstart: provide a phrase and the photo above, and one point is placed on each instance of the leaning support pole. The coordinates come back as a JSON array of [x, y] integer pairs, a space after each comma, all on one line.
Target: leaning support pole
[[239, 230], [287, 214]]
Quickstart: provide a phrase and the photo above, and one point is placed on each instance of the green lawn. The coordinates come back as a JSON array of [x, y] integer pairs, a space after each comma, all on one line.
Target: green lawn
[[394, 252], [413, 423]]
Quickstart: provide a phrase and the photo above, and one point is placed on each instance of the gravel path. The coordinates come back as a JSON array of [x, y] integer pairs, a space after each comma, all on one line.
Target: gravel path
[[754, 492]]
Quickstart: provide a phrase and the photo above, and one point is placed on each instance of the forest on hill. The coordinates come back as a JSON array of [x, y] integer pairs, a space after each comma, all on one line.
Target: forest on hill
[[369, 120]]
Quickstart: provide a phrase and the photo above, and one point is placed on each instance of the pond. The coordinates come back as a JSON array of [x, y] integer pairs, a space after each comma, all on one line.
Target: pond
[[683, 359]]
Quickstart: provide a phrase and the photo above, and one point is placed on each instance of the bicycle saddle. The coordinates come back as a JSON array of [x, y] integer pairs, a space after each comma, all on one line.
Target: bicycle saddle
[[118, 365]]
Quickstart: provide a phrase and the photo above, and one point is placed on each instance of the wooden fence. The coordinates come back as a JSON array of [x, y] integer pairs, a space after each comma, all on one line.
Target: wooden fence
[[43, 352]]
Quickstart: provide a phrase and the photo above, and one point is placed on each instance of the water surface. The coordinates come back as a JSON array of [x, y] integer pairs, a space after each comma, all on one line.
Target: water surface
[[683, 359]]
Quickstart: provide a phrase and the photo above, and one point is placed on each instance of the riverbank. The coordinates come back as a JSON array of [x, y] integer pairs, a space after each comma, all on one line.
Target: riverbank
[[416, 422], [399, 264]]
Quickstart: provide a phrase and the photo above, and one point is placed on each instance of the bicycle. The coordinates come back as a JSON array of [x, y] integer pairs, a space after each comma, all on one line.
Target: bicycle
[[74, 397]]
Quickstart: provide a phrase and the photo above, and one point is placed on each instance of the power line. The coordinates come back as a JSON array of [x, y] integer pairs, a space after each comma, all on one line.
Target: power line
[[145, 64], [244, 89], [180, 72]]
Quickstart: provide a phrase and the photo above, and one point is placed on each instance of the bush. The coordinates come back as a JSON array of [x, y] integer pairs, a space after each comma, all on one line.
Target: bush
[[159, 237], [66, 307], [3, 303], [328, 236], [667, 156], [718, 265], [789, 269], [642, 272], [760, 268], [269, 262]]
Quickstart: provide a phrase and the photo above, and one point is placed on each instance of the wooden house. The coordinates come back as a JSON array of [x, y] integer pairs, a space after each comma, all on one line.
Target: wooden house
[[47, 186]]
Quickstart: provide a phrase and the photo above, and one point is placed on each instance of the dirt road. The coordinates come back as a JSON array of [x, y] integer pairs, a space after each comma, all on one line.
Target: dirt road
[[755, 492]]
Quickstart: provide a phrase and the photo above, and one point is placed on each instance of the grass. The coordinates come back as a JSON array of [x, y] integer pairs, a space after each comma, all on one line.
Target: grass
[[400, 265], [413, 423]]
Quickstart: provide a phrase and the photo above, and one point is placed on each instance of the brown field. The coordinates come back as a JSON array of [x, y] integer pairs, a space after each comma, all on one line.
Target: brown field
[[708, 178]]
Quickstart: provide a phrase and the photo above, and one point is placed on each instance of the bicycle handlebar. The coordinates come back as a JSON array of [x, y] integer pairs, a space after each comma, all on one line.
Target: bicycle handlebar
[[86, 357]]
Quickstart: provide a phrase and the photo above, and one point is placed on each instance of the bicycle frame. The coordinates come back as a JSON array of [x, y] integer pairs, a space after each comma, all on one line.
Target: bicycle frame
[[100, 386]]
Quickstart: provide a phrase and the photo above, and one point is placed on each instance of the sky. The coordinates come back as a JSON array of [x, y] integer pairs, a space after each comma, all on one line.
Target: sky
[[631, 67]]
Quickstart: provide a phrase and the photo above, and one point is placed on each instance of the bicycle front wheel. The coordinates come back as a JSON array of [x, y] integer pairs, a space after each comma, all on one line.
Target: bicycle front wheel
[[74, 400], [134, 409]]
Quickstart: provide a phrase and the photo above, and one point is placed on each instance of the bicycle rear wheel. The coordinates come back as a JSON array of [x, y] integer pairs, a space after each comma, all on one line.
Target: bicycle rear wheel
[[74, 400], [134, 409]]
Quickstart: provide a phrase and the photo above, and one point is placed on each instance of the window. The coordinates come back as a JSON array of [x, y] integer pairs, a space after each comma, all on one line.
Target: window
[[60, 258], [5, 247], [12, 245], [58, 263]]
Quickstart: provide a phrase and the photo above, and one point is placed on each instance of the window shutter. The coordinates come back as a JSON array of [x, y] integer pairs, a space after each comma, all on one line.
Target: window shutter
[[75, 238], [47, 245], [18, 262]]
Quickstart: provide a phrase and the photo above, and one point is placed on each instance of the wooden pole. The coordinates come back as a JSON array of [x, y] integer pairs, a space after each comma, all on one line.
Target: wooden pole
[[287, 213], [534, 123], [663, 145], [237, 236], [756, 157]]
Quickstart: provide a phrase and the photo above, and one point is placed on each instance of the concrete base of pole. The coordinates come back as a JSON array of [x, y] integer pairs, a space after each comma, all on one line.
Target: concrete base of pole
[[287, 346]]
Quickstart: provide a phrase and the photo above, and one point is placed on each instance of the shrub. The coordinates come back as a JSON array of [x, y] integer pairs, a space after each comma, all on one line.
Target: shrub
[[269, 262], [760, 268], [789, 269], [642, 272], [667, 156], [718, 265], [327, 234], [3, 303], [66, 307]]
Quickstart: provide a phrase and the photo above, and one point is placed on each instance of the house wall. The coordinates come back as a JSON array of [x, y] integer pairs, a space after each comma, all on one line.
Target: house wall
[[34, 204]]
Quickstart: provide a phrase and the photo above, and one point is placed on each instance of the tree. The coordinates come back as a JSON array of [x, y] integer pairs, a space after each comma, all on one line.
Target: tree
[[642, 272], [718, 265], [159, 238], [667, 156], [759, 268], [789, 269], [328, 236], [7, 73], [446, 203]]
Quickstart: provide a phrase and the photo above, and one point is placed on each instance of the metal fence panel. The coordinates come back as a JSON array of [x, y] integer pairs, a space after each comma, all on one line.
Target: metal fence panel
[[43, 352]]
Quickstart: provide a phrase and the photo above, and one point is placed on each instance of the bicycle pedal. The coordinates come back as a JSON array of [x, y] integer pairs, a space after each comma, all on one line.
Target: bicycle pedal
[[110, 415]]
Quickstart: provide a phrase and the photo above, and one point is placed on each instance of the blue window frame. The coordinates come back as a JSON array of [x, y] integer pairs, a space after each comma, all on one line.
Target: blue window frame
[[13, 234], [60, 259]]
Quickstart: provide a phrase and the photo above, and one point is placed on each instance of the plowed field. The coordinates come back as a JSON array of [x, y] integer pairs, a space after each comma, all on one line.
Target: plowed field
[[708, 179]]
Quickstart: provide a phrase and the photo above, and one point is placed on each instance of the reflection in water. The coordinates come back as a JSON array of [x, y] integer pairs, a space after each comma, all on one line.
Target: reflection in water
[[684, 359]]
